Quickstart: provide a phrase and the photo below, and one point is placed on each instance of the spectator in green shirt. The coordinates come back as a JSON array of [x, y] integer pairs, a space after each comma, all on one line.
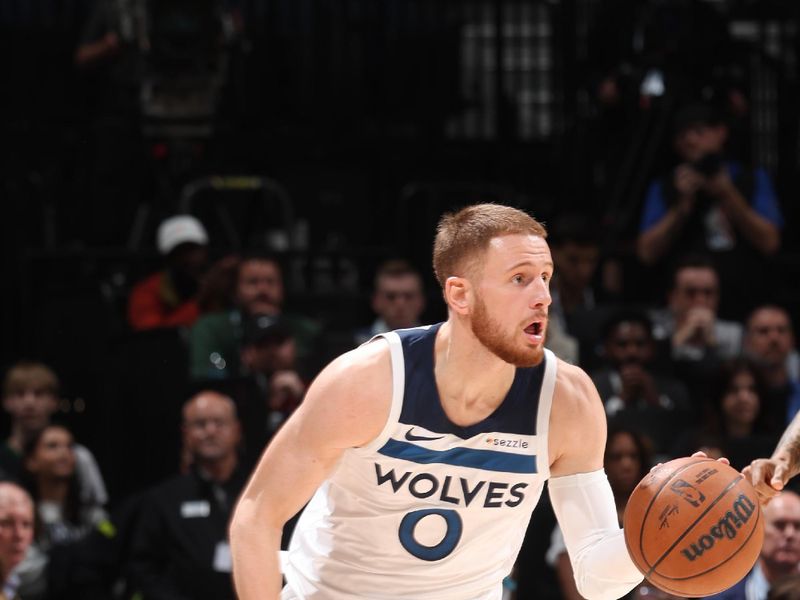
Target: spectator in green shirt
[[215, 339]]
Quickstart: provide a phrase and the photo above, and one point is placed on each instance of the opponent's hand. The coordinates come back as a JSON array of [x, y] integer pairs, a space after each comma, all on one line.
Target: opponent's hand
[[768, 476]]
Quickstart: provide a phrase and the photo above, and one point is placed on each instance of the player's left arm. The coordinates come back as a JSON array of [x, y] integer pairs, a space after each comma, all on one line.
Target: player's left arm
[[581, 495]]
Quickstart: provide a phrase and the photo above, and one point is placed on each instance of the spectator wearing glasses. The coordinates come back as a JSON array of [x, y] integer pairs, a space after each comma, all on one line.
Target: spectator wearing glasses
[[180, 547], [398, 299], [690, 323], [689, 330]]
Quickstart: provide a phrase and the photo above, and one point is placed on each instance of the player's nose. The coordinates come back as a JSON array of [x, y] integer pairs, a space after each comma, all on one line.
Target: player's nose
[[540, 297]]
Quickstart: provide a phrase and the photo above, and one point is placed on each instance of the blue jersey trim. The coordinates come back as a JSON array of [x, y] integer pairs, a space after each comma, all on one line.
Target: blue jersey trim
[[488, 460], [422, 407]]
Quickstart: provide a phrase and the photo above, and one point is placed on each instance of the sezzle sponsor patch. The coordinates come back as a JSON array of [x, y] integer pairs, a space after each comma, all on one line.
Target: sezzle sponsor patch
[[507, 442]]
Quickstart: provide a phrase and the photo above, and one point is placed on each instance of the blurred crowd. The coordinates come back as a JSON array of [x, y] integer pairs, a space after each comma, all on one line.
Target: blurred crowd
[[678, 325], [674, 377]]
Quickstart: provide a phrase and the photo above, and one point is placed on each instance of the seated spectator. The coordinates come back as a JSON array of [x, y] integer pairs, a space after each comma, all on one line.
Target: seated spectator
[[215, 339], [168, 298], [634, 392], [689, 333], [713, 205], [785, 588], [180, 547], [30, 397], [16, 535], [780, 553], [95, 567], [769, 341], [269, 357], [398, 299], [735, 416], [50, 474], [63, 518], [626, 462], [576, 255]]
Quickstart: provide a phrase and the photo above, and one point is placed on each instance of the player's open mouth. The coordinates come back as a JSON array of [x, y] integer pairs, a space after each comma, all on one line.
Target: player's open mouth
[[535, 331]]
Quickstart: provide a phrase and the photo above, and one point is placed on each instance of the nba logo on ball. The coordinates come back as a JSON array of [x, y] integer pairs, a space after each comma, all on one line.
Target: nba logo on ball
[[693, 527]]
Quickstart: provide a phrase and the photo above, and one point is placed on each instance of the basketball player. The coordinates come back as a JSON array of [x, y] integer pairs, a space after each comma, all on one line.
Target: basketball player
[[426, 449], [770, 475]]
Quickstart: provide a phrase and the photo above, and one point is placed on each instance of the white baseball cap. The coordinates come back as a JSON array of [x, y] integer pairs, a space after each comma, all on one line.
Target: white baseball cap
[[178, 230]]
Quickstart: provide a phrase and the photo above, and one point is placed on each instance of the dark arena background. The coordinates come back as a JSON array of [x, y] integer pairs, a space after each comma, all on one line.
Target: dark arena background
[[332, 135]]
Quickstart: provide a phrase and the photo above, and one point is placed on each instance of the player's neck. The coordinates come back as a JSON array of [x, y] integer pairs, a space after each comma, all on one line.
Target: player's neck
[[470, 379]]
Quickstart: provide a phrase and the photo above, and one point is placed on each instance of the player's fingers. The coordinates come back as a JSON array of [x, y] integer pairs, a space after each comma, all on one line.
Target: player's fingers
[[766, 492], [754, 472], [759, 474], [779, 477], [701, 454]]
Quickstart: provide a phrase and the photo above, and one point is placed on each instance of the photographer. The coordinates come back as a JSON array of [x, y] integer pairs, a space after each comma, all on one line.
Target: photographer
[[710, 204]]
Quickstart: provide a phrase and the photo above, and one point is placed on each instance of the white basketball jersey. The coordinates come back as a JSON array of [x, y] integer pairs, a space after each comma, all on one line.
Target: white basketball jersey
[[429, 510]]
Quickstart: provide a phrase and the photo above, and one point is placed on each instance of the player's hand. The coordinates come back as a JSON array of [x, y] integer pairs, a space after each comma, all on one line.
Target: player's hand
[[768, 477], [698, 454], [701, 454]]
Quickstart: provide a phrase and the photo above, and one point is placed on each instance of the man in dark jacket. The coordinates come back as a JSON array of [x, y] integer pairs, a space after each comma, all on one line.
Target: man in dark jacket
[[634, 393], [180, 550]]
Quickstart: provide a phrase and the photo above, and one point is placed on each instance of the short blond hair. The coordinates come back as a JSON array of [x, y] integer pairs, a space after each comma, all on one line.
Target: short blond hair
[[26, 375], [462, 235]]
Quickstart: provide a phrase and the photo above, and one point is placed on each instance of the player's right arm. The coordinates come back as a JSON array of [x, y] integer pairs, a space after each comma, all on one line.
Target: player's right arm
[[770, 475], [346, 406]]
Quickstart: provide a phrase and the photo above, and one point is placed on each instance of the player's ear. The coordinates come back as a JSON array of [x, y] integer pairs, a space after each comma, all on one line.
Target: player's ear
[[457, 293]]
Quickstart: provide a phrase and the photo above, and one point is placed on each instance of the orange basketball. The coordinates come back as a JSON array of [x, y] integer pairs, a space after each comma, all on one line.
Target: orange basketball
[[693, 527]]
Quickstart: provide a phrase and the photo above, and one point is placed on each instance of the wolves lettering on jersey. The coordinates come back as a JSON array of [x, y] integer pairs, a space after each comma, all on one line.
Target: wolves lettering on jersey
[[458, 491]]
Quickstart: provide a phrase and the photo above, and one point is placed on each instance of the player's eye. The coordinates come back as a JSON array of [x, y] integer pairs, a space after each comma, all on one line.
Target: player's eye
[[518, 279]]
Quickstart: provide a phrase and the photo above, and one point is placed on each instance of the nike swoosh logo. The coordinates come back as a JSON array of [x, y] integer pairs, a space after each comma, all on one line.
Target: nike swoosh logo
[[420, 438]]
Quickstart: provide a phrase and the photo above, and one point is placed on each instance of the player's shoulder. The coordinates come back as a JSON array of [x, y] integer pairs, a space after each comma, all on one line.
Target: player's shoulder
[[364, 372], [574, 384], [350, 399], [371, 360], [577, 423]]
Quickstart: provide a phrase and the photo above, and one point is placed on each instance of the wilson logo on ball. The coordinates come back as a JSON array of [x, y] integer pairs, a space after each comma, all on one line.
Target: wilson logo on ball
[[727, 527]]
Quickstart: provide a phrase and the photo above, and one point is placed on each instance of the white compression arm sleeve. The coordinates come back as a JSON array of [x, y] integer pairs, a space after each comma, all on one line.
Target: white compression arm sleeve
[[584, 506]]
